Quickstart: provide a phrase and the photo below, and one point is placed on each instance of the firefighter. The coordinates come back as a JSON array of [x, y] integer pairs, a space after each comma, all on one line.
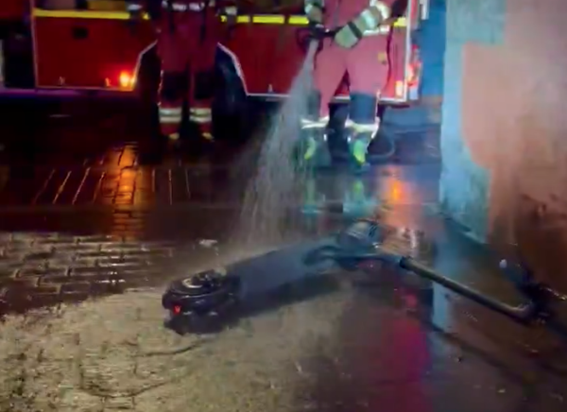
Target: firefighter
[[355, 48], [188, 34]]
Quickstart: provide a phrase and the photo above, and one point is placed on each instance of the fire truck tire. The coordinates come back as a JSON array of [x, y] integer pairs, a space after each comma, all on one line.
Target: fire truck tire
[[147, 87], [17, 69], [230, 108]]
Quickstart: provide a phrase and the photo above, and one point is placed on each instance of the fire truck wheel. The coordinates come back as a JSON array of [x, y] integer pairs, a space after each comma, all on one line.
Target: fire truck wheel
[[230, 108], [147, 88]]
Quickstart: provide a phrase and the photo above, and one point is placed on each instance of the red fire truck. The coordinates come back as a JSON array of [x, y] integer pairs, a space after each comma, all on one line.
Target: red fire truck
[[91, 46]]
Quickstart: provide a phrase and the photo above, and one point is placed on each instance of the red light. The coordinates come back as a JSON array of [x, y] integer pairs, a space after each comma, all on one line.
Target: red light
[[126, 80], [414, 68], [411, 301], [177, 310]]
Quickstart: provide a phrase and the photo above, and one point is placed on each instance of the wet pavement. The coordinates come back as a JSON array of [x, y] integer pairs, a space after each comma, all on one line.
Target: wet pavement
[[95, 224]]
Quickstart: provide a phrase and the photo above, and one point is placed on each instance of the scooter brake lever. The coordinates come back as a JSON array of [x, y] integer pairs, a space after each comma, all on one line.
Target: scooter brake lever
[[516, 273], [538, 294]]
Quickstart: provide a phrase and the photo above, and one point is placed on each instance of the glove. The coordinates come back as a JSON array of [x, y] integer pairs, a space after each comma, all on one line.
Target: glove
[[317, 31]]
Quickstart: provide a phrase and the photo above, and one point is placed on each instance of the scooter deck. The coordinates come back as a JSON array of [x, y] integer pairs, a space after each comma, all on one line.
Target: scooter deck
[[264, 282], [265, 273]]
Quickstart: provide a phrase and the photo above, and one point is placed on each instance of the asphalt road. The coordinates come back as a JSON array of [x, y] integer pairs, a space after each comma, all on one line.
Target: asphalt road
[[91, 232]]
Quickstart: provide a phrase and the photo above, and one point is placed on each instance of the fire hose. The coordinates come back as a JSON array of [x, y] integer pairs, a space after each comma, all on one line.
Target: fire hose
[[213, 299]]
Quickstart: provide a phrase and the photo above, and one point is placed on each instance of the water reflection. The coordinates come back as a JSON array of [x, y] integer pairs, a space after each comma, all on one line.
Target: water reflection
[[381, 358], [349, 195], [393, 189]]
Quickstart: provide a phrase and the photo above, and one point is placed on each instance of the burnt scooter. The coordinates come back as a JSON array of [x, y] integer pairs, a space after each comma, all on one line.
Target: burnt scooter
[[212, 299]]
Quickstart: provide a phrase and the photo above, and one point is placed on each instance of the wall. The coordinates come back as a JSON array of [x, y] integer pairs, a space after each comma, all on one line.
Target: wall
[[504, 124]]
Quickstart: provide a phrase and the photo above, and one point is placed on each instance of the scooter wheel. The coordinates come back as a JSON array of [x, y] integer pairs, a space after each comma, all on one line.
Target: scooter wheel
[[200, 294]]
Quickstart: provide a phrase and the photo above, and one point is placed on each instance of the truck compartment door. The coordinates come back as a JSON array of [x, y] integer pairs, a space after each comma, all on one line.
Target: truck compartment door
[[88, 49]]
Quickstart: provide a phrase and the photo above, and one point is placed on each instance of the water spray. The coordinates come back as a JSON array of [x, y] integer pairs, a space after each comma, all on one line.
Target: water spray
[[279, 180]]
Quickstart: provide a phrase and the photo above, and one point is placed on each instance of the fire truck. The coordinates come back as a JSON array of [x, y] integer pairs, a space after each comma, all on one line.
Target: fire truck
[[92, 47]]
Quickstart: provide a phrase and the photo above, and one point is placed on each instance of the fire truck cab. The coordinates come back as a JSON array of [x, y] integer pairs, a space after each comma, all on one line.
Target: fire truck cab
[[91, 46]]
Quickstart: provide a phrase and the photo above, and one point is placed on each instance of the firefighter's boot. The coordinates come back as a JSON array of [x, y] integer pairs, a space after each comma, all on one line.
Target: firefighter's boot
[[313, 150], [362, 126], [207, 134], [202, 117], [173, 141], [360, 136]]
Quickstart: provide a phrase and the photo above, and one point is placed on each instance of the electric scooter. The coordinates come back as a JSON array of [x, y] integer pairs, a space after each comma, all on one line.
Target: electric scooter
[[214, 299]]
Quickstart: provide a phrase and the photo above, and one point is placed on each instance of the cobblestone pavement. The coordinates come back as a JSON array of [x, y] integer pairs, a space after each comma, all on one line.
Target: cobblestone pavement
[[121, 183], [144, 187], [68, 233], [39, 269], [128, 186], [61, 257]]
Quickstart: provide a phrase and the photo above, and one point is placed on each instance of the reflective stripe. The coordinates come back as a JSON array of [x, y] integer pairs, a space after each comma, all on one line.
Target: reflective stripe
[[170, 111], [187, 7], [200, 115], [373, 22], [134, 7], [200, 120], [320, 123], [370, 20], [170, 120], [309, 5], [231, 11], [170, 115], [117, 15], [382, 8], [200, 111], [379, 31], [363, 127]]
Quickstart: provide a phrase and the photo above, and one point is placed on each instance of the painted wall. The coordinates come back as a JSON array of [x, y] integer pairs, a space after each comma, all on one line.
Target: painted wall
[[504, 126]]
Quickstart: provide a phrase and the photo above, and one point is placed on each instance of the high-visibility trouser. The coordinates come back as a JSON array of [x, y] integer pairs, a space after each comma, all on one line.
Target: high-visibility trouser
[[364, 67], [187, 61]]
